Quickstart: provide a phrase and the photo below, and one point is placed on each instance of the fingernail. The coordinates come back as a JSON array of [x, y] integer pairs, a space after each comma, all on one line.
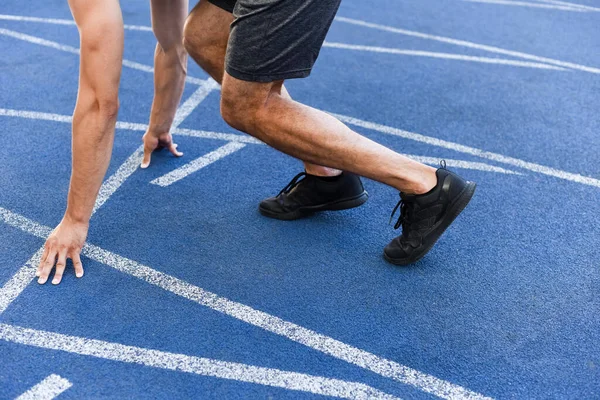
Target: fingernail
[[144, 165], [55, 282], [79, 274], [41, 281]]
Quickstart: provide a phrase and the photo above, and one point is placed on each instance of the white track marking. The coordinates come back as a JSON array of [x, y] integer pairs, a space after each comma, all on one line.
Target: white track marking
[[74, 50], [470, 150], [189, 364], [325, 344], [19, 281], [69, 22], [462, 164], [349, 120], [47, 389], [230, 137], [564, 3], [527, 4], [197, 164], [448, 56], [193, 101], [468, 44], [114, 182]]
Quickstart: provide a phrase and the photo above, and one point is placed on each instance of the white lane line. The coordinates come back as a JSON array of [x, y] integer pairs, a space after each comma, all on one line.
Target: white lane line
[[74, 50], [193, 101], [527, 4], [230, 137], [447, 56], [462, 164], [36, 115], [470, 150], [185, 363], [564, 3], [56, 21], [47, 389], [468, 44], [325, 344], [569, 176], [197, 164], [114, 182], [19, 281]]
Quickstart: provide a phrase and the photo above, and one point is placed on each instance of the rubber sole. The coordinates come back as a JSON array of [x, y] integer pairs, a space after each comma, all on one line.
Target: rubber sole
[[453, 211], [341, 204]]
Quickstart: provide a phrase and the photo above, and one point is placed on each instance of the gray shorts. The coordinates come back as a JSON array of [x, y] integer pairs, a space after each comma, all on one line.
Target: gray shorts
[[272, 40]]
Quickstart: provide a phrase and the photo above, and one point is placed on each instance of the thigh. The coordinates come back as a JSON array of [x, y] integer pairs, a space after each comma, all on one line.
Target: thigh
[[208, 24], [274, 40]]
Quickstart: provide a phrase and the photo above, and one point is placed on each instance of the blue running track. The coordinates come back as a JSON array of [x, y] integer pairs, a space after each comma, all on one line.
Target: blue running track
[[190, 293]]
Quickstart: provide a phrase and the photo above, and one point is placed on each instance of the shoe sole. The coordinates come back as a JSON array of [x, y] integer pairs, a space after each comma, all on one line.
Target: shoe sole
[[342, 204], [453, 211]]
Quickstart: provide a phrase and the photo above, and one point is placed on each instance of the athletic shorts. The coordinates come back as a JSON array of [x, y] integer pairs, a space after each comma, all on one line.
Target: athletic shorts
[[272, 40]]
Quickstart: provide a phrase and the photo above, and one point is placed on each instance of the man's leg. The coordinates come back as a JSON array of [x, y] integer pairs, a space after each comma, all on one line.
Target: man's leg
[[271, 41], [261, 110], [206, 34], [170, 68], [205, 37]]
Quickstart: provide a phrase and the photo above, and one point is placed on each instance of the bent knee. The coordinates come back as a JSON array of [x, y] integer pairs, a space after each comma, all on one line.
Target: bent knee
[[237, 113], [244, 105]]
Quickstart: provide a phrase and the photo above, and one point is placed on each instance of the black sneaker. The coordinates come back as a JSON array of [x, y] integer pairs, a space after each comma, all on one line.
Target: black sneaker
[[425, 217], [303, 197]]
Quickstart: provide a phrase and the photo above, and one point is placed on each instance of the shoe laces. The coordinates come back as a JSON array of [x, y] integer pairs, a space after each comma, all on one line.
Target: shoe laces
[[293, 183], [406, 211]]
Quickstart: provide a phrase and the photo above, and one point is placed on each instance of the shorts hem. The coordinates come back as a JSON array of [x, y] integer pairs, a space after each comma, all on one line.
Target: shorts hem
[[265, 78]]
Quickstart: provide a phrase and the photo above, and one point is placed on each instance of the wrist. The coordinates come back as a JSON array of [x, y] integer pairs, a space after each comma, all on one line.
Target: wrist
[[74, 218]]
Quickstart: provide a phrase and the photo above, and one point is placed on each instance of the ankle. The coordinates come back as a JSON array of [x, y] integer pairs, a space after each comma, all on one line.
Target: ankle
[[423, 184], [318, 170]]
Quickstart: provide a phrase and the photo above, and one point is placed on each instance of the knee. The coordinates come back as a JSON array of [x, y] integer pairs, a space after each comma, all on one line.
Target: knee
[[239, 110], [236, 113]]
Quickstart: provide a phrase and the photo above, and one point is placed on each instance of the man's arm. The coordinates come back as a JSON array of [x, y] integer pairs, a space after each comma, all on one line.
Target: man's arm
[[170, 68], [100, 27]]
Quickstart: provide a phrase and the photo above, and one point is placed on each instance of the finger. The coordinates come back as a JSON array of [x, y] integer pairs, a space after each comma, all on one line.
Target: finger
[[47, 266], [60, 267], [147, 155], [174, 151], [42, 259], [77, 264], [150, 144]]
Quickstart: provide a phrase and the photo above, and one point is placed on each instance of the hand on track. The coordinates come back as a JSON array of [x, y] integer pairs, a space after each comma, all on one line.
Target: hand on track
[[153, 142], [65, 241]]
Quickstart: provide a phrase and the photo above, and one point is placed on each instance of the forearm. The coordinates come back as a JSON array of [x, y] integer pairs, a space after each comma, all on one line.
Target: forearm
[[93, 136], [170, 62], [169, 80]]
